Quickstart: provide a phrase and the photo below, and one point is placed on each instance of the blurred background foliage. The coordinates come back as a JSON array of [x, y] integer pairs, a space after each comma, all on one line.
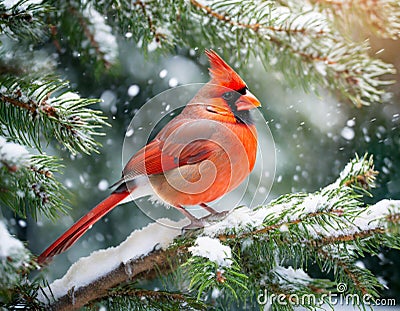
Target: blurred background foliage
[[315, 134]]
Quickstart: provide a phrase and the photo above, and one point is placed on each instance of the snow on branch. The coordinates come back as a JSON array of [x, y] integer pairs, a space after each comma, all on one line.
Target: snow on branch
[[87, 34], [27, 184], [12, 155], [382, 16], [213, 250], [14, 258], [297, 39], [23, 19], [113, 264], [99, 34], [46, 106], [331, 226], [302, 36]]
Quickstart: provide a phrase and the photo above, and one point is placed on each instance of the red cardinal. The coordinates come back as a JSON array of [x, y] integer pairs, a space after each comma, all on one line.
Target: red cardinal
[[200, 155]]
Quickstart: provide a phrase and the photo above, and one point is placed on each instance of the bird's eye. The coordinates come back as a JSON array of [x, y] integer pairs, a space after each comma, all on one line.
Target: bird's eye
[[227, 96]]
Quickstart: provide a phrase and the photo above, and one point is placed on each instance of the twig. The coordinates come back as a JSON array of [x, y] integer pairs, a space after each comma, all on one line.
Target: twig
[[157, 35], [342, 264], [346, 237], [255, 27], [31, 106], [375, 14], [90, 36], [56, 42], [267, 229], [150, 295], [22, 16], [392, 218]]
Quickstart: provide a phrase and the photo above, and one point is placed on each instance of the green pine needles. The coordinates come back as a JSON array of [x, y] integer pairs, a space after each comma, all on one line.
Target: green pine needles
[[36, 112], [300, 41], [24, 19], [35, 108], [30, 188], [300, 249], [276, 243]]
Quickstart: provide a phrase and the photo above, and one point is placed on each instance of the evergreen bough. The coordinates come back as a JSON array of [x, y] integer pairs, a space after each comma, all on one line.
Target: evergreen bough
[[270, 250]]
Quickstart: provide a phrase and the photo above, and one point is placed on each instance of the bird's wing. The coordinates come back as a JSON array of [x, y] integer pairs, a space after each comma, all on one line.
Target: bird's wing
[[181, 143]]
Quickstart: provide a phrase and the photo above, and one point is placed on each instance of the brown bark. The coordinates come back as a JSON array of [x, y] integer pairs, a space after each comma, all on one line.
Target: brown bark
[[141, 268]]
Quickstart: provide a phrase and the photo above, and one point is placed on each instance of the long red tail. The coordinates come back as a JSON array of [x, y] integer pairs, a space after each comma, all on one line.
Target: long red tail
[[81, 226]]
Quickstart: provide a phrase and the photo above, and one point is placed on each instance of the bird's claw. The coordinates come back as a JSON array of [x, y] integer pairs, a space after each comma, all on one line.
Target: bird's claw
[[215, 217], [197, 223], [194, 224]]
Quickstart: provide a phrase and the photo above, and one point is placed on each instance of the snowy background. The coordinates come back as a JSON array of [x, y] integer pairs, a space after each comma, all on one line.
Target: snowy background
[[315, 136]]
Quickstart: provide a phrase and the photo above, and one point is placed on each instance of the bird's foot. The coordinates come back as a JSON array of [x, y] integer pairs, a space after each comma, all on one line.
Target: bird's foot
[[215, 217], [194, 224], [197, 223]]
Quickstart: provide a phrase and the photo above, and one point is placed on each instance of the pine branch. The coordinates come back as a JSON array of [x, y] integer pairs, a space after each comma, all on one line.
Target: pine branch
[[295, 39], [148, 22], [27, 182], [96, 44], [358, 175], [89, 19], [316, 52], [380, 16], [285, 27], [302, 44], [330, 227], [294, 284], [24, 19], [359, 280], [14, 258], [158, 36], [32, 108], [15, 264]]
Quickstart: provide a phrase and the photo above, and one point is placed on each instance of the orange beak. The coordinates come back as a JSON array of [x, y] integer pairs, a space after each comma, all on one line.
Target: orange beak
[[247, 101]]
